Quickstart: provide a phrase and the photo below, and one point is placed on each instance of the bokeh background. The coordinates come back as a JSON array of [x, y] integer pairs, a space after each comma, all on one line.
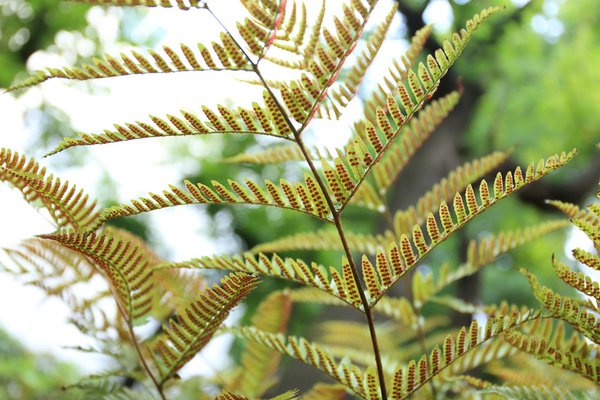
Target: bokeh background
[[531, 84]]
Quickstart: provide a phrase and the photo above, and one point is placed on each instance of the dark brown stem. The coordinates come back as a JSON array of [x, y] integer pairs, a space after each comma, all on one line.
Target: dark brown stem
[[336, 216]]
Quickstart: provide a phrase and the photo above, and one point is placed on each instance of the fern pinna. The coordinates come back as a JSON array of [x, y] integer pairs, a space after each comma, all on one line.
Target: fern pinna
[[404, 356]]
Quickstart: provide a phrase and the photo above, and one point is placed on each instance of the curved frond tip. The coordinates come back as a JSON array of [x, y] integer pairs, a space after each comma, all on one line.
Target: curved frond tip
[[184, 337]]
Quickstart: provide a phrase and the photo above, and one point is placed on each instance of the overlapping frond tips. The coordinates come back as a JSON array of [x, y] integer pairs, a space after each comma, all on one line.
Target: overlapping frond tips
[[366, 149], [126, 266], [551, 346], [323, 60], [390, 266], [398, 72], [456, 181], [343, 371], [408, 379], [68, 206], [184, 337], [348, 82], [574, 311], [306, 198], [340, 285], [258, 363]]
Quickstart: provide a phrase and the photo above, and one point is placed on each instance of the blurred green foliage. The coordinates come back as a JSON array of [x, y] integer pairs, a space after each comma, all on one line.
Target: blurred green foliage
[[25, 375]]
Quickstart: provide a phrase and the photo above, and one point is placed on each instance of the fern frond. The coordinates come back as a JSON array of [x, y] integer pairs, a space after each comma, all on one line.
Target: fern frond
[[258, 364], [453, 352], [456, 181], [183, 338], [280, 154], [346, 87], [68, 206], [306, 198], [576, 356], [401, 257], [589, 259], [325, 391], [343, 371], [260, 120], [227, 395], [363, 154], [181, 4], [341, 285], [174, 289], [125, 265], [224, 56], [571, 310]]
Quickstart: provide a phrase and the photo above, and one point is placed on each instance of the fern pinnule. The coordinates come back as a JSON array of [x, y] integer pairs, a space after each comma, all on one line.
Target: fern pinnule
[[579, 357], [456, 181], [306, 198], [127, 268], [258, 364], [260, 120], [340, 285], [184, 337], [532, 392], [574, 311], [181, 4], [68, 207]]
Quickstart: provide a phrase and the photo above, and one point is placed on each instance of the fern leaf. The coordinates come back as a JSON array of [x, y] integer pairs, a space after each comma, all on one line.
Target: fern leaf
[[344, 372], [402, 256], [573, 311], [578, 356], [168, 61], [126, 266], [528, 393], [68, 207], [577, 280], [195, 325], [347, 86], [361, 154], [260, 120], [258, 363], [456, 181], [306, 198], [398, 155], [181, 4], [408, 379], [339, 285]]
